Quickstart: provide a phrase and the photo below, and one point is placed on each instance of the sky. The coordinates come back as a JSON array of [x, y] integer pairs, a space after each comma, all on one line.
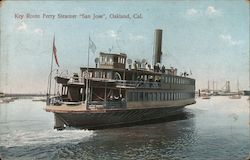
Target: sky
[[208, 38]]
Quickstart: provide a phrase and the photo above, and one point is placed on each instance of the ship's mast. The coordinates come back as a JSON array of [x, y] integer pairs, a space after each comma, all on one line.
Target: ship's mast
[[87, 82], [50, 76]]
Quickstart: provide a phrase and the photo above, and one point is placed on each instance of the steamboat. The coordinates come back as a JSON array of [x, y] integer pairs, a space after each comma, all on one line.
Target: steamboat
[[112, 94]]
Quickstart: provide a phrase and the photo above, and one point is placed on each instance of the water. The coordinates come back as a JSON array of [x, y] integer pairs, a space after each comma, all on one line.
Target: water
[[216, 129]]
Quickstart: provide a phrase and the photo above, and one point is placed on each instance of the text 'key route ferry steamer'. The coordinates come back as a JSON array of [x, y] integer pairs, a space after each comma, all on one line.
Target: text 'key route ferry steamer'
[[111, 94]]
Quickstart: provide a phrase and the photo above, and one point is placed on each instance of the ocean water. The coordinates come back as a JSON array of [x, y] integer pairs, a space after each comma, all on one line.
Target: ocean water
[[216, 129]]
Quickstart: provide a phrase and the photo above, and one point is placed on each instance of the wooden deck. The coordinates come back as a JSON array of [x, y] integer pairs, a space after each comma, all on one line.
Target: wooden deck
[[74, 108]]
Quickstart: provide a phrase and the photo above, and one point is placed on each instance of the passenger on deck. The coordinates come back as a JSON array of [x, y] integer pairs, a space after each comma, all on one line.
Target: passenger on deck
[[163, 69]]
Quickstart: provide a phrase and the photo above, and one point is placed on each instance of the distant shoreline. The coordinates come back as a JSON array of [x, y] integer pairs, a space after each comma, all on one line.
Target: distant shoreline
[[23, 95]]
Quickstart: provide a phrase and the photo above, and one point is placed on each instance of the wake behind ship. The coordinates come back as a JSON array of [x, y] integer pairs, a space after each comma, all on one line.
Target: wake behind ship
[[113, 94]]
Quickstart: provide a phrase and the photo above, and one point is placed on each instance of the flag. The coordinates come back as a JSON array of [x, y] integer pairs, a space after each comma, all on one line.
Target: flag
[[54, 51], [92, 45]]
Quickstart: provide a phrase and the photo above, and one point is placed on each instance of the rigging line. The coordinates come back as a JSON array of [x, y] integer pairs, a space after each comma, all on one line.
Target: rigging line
[[116, 39], [172, 56], [249, 101]]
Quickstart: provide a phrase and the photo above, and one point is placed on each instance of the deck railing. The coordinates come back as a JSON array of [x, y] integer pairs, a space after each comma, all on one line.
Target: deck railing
[[137, 84], [114, 104]]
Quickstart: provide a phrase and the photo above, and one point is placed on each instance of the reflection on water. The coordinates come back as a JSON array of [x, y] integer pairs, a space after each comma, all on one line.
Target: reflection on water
[[210, 129]]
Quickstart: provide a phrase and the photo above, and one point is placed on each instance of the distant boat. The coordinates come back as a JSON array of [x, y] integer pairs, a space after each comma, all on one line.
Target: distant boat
[[40, 99], [1, 94], [205, 96], [236, 96], [246, 93], [6, 100]]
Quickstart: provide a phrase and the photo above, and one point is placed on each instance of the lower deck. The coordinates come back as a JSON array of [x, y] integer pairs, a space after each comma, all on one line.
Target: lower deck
[[98, 107]]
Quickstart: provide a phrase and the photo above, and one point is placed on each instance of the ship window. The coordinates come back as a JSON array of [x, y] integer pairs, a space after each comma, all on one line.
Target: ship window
[[140, 96], [162, 96], [146, 96], [103, 74], [129, 96], [109, 75], [90, 74], [150, 96], [97, 74], [115, 59], [154, 96], [158, 96], [111, 60], [135, 96]]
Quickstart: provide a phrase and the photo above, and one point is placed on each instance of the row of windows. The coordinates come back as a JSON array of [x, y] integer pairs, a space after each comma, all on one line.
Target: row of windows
[[178, 80], [110, 60], [166, 79], [159, 96], [99, 74]]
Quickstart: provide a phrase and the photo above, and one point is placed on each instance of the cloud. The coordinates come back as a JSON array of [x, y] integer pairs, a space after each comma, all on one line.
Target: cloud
[[211, 11], [22, 27], [192, 12], [109, 33], [229, 40], [38, 31], [135, 37]]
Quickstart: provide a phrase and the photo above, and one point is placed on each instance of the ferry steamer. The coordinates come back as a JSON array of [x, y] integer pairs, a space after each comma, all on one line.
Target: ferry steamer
[[113, 94]]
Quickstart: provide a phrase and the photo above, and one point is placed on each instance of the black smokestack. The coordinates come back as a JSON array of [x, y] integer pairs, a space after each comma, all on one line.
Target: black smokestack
[[158, 43]]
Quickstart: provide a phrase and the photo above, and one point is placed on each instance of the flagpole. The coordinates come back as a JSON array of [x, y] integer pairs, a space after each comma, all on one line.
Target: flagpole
[[87, 82], [50, 75]]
